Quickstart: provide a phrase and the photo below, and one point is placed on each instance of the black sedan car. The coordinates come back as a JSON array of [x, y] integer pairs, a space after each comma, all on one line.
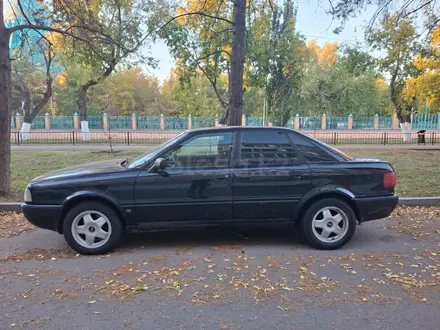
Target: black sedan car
[[213, 177]]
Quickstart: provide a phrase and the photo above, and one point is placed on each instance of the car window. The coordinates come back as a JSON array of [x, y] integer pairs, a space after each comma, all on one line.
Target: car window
[[201, 151], [149, 156], [266, 148], [312, 152]]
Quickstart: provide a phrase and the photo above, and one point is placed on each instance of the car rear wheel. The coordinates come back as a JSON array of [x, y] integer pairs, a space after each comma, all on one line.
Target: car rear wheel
[[92, 228], [329, 224]]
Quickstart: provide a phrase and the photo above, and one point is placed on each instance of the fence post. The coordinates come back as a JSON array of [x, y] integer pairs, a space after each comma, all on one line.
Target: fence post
[[128, 138], [18, 121], [105, 121], [385, 138], [297, 121], [376, 121], [324, 121], [162, 122], [73, 137], [190, 121], [47, 121], [243, 120], [334, 137], [75, 121], [350, 121], [133, 122], [432, 138], [216, 120], [18, 138]]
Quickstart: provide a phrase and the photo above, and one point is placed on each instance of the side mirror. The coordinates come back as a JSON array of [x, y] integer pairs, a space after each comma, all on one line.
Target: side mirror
[[159, 165]]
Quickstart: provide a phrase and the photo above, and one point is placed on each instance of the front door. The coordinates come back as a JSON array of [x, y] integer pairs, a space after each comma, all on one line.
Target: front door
[[196, 184], [270, 177]]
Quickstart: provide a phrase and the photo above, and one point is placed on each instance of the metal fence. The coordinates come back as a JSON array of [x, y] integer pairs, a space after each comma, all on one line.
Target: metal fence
[[156, 137], [363, 123], [62, 122], [420, 121], [337, 123]]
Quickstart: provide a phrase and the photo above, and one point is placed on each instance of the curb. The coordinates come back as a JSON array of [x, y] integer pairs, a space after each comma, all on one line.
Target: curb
[[10, 207], [419, 201], [407, 201]]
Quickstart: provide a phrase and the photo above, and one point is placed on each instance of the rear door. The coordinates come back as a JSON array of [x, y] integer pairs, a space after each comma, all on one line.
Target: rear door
[[269, 177]]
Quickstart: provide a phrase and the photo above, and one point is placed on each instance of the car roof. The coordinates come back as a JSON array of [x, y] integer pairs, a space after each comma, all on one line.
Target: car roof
[[235, 128]]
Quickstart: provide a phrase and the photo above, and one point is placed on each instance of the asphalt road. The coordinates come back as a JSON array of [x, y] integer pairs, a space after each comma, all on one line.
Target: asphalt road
[[387, 277]]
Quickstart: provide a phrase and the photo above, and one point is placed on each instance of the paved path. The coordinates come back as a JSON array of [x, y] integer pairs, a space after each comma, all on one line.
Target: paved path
[[140, 147], [387, 277]]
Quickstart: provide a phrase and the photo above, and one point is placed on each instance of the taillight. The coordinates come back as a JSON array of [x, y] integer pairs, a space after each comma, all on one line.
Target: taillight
[[389, 180]]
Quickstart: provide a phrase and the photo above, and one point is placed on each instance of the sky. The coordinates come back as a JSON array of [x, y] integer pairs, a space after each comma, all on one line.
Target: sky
[[312, 21]]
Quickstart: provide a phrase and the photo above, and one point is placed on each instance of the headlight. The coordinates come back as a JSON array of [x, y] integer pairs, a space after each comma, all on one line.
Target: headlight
[[27, 195]]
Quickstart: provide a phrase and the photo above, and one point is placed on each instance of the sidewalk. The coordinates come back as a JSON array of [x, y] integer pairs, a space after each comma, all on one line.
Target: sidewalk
[[149, 147]]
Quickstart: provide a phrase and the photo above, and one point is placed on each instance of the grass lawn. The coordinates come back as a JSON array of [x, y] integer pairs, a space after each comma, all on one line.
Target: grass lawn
[[417, 170], [26, 165]]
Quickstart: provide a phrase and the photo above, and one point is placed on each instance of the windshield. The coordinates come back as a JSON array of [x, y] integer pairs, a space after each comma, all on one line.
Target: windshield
[[145, 158]]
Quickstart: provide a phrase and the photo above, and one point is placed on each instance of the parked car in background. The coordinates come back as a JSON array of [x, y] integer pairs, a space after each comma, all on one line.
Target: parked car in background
[[214, 177]]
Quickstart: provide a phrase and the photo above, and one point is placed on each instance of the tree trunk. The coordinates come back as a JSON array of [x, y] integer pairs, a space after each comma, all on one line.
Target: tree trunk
[[27, 109], [404, 119], [237, 64], [405, 123], [81, 101], [5, 113]]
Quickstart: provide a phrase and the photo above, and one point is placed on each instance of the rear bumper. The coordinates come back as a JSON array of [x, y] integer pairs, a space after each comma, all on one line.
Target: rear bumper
[[373, 208], [43, 216]]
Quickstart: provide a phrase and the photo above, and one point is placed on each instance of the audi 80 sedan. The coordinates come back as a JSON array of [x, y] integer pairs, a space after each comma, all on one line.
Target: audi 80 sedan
[[213, 177]]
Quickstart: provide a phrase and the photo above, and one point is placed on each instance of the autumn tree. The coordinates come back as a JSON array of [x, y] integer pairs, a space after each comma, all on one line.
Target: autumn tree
[[397, 37], [277, 59], [426, 87], [195, 96], [27, 78], [427, 12], [38, 17], [126, 22], [209, 37], [340, 80]]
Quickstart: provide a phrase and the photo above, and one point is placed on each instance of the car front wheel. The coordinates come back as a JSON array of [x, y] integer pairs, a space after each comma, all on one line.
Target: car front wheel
[[329, 224], [92, 228]]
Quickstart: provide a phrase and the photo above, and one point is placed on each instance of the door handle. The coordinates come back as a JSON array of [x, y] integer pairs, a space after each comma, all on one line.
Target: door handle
[[295, 177]]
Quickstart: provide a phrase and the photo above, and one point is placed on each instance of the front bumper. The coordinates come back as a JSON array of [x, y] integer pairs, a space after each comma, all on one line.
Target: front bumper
[[43, 216], [372, 208]]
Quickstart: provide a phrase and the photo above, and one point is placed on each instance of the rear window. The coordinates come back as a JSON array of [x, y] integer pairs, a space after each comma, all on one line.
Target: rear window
[[261, 148], [315, 151]]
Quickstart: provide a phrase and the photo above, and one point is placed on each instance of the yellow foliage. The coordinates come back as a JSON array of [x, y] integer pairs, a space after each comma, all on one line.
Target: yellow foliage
[[381, 83], [61, 78], [325, 55], [56, 39], [181, 11], [426, 87], [227, 50], [435, 40]]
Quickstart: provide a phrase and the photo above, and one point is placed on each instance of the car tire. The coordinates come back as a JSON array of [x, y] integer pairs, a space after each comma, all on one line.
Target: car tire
[[328, 224], [92, 228]]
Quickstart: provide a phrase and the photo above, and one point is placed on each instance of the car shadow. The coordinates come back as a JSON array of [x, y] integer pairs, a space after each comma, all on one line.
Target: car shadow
[[192, 237], [274, 236]]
